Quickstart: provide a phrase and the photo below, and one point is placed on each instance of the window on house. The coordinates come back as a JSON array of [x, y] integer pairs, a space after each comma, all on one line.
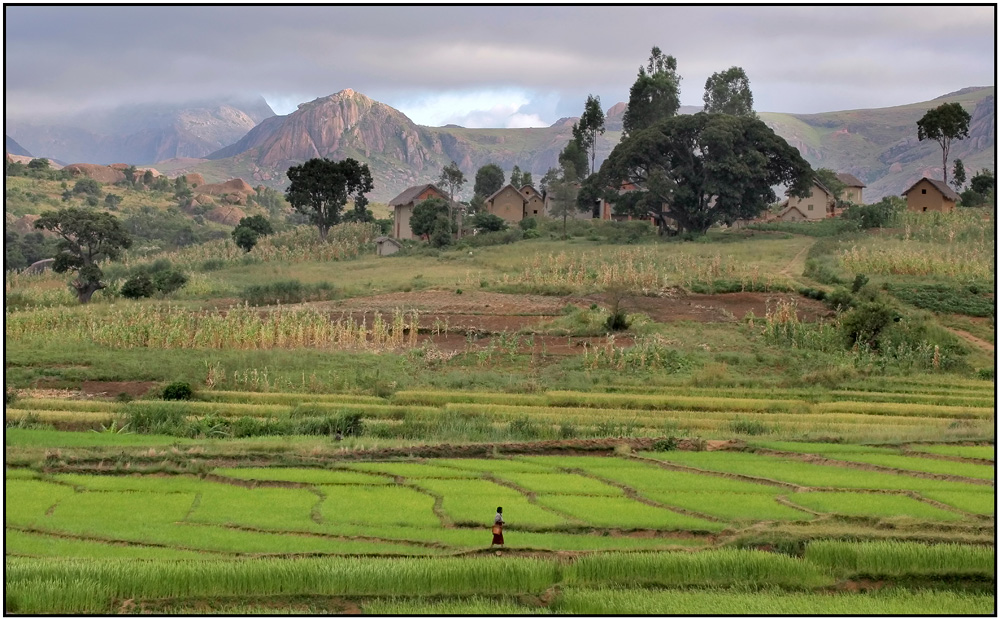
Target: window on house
[[925, 208], [810, 207], [923, 191], [535, 212]]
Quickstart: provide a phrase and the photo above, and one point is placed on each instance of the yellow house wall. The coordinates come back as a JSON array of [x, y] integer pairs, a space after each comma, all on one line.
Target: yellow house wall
[[509, 205], [918, 202], [852, 194], [817, 200], [401, 222]]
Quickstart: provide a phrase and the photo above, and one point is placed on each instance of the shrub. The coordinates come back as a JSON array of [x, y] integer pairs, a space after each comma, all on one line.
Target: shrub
[[138, 287], [487, 222], [882, 214], [178, 390], [168, 281], [664, 445], [617, 321], [986, 374], [528, 223], [859, 281], [864, 324], [839, 299]]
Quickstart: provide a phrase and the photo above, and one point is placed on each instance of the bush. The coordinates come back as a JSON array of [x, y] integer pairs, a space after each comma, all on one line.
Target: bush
[[839, 299], [178, 390], [821, 271], [487, 222], [986, 374], [864, 324], [168, 281], [812, 293], [528, 223], [882, 214], [138, 287], [859, 281], [664, 445], [617, 321]]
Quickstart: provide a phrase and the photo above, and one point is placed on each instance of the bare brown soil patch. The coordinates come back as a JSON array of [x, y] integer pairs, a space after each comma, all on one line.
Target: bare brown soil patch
[[723, 308], [495, 312], [987, 346], [114, 388]]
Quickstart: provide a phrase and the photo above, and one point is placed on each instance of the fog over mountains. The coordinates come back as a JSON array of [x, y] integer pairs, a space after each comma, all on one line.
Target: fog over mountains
[[227, 139]]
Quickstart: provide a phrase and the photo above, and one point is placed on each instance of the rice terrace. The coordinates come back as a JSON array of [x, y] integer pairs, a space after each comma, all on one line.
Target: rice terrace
[[662, 395]]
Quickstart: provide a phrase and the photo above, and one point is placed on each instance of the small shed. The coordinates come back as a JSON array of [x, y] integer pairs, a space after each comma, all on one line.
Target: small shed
[[384, 246]]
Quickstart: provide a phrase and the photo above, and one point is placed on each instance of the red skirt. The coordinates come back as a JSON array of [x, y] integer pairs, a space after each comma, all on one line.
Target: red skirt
[[498, 538]]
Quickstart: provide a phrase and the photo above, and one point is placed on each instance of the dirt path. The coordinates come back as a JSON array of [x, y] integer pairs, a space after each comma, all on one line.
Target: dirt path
[[989, 347], [798, 261]]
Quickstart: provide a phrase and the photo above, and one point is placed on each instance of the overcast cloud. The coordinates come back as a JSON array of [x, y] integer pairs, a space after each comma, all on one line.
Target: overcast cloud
[[511, 66]]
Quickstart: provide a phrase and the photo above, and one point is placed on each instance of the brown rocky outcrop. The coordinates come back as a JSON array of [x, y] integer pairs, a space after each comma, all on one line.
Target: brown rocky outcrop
[[194, 179], [228, 215], [103, 174]]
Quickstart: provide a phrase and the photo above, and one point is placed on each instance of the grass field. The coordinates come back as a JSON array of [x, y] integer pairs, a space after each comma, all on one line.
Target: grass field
[[708, 459]]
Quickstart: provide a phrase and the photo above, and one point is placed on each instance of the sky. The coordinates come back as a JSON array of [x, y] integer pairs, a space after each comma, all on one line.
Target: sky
[[487, 66]]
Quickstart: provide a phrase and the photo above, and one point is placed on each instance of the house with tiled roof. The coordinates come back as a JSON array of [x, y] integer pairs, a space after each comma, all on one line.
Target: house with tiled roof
[[817, 205], [930, 195]]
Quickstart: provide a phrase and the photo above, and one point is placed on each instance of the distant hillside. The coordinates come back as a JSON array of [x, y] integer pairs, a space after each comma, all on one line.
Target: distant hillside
[[141, 134], [13, 148], [400, 152], [880, 146]]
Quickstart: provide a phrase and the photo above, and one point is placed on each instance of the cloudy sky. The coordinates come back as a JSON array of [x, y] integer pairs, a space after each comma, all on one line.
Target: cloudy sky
[[490, 66]]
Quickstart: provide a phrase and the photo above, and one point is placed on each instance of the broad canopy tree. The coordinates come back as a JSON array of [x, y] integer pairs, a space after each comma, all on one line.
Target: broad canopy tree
[[702, 169], [947, 122], [86, 237], [320, 188]]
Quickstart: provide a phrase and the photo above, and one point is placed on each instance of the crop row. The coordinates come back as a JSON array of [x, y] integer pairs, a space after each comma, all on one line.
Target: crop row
[[75, 586]]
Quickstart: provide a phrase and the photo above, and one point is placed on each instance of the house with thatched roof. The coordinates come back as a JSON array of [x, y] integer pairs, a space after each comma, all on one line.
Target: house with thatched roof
[[403, 204], [852, 188], [513, 205], [817, 205], [930, 195]]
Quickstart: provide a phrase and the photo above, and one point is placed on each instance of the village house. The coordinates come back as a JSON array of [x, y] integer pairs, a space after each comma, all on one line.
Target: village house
[[403, 207], [930, 195], [387, 246], [819, 204], [514, 205], [852, 188]]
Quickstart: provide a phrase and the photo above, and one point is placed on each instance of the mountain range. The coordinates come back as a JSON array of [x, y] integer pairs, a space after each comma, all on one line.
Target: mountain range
[[222, 140]]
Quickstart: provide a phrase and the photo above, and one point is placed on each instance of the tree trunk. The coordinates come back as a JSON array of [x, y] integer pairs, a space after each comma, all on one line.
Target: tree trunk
[[323, 231], [86, 290]]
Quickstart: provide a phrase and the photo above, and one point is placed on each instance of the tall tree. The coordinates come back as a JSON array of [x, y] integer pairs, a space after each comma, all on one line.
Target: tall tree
[[728, 92], [573, 157], [320, 188], [591, 125], [527, 180], [958, 175], [489, 180], [517, 177], [86, 238], [947, 122], [655, 95], [705, 168], [453, 179]]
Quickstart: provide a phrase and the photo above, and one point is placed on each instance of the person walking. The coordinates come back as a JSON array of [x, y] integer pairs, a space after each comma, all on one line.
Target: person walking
[[498, 528]]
